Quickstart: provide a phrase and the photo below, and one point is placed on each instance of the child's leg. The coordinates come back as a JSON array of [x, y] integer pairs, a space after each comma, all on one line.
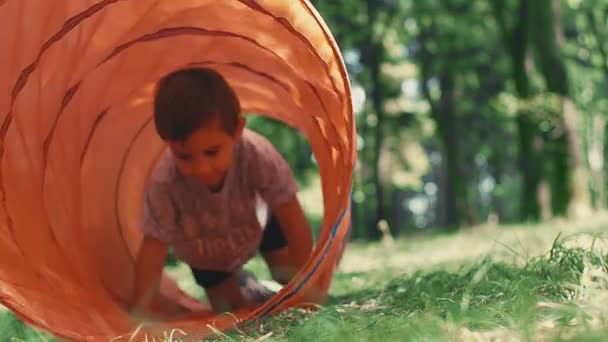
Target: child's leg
[[220, 288], [229, 291], [275, 250]]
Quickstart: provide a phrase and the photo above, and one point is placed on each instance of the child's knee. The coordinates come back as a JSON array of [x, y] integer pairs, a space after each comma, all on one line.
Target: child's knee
[[282, 275], [281, 269]]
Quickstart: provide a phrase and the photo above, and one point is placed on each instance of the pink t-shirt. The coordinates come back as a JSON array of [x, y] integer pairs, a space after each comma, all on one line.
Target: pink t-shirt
[[218, 231]]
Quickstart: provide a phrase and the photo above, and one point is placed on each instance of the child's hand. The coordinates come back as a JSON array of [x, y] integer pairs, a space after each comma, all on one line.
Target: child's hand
[[141, 311], [140, 316], [150, 315]]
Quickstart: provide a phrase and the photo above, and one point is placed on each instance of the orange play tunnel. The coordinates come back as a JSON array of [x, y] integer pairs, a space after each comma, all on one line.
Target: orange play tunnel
[[77, 143]]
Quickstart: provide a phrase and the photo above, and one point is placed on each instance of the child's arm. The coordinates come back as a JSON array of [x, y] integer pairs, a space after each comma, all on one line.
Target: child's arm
[[159, 228], [149, 265], [297, 231], [277, 186]]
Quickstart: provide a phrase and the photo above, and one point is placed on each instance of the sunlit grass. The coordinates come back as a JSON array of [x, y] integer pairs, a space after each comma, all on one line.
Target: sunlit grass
[[545, 282], [557, 295]]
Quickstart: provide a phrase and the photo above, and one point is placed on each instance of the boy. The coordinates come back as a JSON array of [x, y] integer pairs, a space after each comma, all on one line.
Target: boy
[[203, 197]]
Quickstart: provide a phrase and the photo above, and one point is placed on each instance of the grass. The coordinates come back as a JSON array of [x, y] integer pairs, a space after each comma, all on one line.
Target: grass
[[544, 282], [547, 298]]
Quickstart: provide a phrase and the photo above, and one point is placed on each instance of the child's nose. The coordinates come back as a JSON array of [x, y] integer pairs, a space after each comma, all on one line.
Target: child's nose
[[202, 168]]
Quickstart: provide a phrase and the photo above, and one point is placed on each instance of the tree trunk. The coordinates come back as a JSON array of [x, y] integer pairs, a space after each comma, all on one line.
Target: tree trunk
[[528, 158], [451, 199], [596, 160], [399, 220], [373, 232], [604, 186], [373, 60], [516, 40], [455, 193], [560, 175], [597, 150], [580, 201], [354, 220], [544, 199], [497, 211], [303, 153], [549, 40]]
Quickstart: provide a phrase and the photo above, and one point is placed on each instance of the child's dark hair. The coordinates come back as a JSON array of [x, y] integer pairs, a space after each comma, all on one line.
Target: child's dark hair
[[188, 99]]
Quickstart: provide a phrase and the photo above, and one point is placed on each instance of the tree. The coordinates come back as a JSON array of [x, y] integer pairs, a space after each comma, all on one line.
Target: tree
[[586, 49], [456, 50], [361, 26], [541, 47]]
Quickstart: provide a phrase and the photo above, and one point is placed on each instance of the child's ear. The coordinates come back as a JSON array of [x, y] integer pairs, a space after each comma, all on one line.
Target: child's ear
[[240, 127]]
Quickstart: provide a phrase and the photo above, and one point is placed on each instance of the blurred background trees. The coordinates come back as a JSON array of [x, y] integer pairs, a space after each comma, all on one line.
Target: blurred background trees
[[468, 112]]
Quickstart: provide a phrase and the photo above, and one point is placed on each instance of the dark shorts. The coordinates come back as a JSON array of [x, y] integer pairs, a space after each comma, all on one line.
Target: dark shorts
[[272, 239]]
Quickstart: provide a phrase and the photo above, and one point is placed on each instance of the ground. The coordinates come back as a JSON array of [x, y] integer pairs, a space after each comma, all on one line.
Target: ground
[[544, 282]]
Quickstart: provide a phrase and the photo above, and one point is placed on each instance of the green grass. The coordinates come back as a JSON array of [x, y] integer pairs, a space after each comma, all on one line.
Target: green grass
[[544, 282], [543, 300], [12, 329]]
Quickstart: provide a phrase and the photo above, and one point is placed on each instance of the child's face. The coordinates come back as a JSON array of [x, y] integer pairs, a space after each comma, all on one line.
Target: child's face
[[207, 154]]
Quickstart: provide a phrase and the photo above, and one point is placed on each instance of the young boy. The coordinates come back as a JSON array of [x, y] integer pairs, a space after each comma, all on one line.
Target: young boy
[[203, 199]]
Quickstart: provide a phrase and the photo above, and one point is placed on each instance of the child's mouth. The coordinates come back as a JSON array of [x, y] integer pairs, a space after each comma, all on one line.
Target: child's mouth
[[213, 186]]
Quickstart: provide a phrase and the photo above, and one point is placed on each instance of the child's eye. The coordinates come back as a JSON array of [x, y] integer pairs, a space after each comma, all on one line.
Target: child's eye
[[211, 153]]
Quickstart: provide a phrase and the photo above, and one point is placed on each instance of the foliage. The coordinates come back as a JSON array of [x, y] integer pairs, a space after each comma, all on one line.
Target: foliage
[[460, 109], [460, 112]]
